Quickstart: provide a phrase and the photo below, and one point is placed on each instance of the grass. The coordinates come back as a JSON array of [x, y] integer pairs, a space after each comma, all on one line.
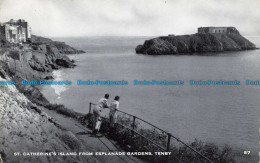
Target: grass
[[61, 109]]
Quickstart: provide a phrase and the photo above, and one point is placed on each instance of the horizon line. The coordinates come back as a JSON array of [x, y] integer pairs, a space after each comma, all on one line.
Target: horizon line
[[122, 36]]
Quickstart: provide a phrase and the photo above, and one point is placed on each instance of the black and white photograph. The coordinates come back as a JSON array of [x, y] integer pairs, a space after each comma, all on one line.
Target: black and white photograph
[[129, 81]]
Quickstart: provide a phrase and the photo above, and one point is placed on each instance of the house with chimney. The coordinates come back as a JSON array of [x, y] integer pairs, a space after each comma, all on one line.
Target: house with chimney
[[15, 31]]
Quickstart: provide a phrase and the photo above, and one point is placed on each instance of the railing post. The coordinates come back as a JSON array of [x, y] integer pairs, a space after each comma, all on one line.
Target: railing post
[[89, 117], [133, 126], [168, 142], [132, 134]]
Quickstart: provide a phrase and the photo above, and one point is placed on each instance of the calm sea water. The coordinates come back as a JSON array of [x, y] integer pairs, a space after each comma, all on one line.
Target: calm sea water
[[219, 114]]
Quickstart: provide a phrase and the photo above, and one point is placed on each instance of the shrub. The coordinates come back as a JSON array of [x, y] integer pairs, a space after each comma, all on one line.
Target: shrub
[[133, 142]]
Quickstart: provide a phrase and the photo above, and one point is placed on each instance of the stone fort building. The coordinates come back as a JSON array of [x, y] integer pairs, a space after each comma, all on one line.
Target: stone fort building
[[15, 31], [227, 30]]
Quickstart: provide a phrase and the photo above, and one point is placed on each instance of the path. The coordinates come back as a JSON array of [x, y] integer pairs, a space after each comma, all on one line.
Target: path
[[92, 143]]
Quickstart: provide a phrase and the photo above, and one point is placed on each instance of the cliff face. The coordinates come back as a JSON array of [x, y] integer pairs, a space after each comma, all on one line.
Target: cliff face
[[34, 61], [196, 43], [25, 127]]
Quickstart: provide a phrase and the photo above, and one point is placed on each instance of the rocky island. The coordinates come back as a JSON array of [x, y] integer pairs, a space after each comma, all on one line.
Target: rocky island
[[208, 39]]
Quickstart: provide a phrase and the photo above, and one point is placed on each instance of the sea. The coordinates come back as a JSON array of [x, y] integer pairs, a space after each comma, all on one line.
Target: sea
[[221, 114]]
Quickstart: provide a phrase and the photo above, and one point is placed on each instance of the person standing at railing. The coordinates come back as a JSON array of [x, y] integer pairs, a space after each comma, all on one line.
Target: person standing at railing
[[102, 103], [114, 106]]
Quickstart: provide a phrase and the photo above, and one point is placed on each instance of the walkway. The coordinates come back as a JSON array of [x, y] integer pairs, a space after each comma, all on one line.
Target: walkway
[[92, 143]]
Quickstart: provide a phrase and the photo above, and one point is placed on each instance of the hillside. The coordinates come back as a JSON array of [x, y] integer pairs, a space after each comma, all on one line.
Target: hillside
[[26, 128], [61, 46]]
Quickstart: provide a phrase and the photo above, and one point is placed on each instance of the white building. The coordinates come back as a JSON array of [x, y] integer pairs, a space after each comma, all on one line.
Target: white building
[[15, 31]]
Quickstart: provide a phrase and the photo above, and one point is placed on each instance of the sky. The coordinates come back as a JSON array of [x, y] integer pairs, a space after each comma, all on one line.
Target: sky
[[79, 18]]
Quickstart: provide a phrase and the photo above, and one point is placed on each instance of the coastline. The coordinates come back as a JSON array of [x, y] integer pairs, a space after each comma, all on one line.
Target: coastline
[[129, 81], [238, 149], [36, 97], [29, 123]]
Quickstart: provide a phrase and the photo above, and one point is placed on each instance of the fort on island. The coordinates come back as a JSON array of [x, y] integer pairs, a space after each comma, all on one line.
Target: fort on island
[[207, 39], [15, 31], [227, 30]]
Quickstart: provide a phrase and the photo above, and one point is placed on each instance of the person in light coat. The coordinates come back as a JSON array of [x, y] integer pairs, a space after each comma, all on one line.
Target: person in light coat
[[114, 106], [102, 103]]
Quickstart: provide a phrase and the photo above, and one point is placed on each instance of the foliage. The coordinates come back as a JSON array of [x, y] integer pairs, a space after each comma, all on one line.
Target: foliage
[[61, 109], [133, 142]]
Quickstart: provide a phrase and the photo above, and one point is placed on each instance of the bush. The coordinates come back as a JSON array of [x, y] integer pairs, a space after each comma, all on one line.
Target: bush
[[133, 142]]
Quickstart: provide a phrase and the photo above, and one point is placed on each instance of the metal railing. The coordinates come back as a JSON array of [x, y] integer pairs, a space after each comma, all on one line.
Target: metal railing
[[169, 135], [1, 160]]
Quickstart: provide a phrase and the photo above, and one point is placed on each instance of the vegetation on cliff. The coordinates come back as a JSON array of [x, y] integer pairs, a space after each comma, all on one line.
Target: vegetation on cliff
[[61, 46], [195, 43], [179, 153]]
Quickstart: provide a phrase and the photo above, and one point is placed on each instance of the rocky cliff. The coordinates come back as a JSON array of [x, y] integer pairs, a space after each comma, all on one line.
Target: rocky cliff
[[195, 43], [25, 128], [37, 59], [61, 46]]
